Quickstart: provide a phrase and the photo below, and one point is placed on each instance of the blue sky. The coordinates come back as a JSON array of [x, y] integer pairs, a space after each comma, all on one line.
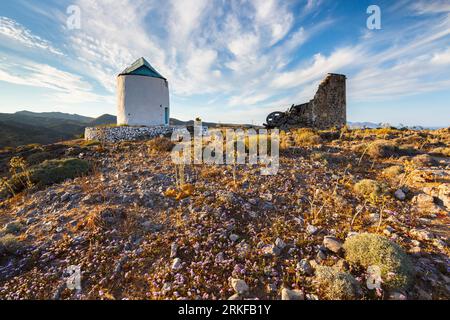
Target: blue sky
[[230, 61]]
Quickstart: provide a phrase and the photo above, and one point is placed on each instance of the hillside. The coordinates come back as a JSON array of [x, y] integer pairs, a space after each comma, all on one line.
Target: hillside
[[26, 127], [141, 228]]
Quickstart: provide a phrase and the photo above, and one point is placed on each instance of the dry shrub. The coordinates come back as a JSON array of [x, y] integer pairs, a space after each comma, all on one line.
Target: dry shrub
[[306, 137], [337, 285], [368, 249], [382, 149], [161, 144], [394, 172], [11, 244], [369, 188]]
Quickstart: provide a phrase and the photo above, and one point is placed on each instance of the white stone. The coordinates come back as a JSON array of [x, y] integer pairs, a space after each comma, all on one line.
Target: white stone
[[332, 244], [239, 286], [176, 264], [280, 243], [287, 294]]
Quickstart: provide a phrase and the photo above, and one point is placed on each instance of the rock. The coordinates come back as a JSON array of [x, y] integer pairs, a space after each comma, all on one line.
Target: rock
[[400, 195], [312, 230], [394, 295], [332, 244], [234, 237], [235, 296], [112, 216], [176, 264], [444, 194], [173, 250], [66, 196], [271, 250], [304, 267], [280, 243], [421, 234], [388, 231], [321, 256], [219, 257], [239, 286], [271, 287], [296, 294]]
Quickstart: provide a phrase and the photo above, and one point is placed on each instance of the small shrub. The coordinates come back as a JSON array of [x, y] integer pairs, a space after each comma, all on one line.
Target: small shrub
[[161, 144], [319, 156], [393, 172], [55, 171], [90, 143], [306, 137], [256, 140], [369, 188], [38, 157], [337, 285], [367, 249], [10, 244], [48, 173], [13, 227], [382, 149]]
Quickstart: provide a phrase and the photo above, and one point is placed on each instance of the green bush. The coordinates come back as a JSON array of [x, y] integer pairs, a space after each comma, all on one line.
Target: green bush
[[337, 285], [367, 249], [48, 173], [55, 171], [369, 188], [38, 157]]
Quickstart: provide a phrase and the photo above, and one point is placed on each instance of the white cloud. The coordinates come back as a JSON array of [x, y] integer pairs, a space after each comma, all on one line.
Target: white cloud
[[16, 32], [64, 87], [441, 58]]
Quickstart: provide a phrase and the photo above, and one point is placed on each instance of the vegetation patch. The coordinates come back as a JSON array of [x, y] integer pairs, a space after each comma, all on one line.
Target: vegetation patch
[[161, 144], [369, 188], [306, 137], [368, 249], [337, 285], [45, 174], [10, 244], [382, 149]]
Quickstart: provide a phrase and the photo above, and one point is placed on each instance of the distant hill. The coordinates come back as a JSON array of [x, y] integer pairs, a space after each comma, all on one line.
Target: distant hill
[[55, 115], [25, 127], [102, 120]]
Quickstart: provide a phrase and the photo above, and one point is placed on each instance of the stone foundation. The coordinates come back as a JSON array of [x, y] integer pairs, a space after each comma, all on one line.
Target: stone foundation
[[124, 133]]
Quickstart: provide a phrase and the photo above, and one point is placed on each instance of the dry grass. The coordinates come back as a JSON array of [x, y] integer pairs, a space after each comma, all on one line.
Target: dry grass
[[306, 137], [160, 144]]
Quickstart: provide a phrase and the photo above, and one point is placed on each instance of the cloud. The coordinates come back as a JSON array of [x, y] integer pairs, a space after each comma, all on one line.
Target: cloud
[[64, 87], [16, 32], [427, 7], [441, 58]]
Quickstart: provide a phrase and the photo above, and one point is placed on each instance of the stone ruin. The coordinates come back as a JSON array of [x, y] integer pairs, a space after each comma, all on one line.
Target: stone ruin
[[328, 109]]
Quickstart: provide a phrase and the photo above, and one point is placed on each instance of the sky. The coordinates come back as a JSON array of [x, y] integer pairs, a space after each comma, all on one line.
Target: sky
[[229, 61]]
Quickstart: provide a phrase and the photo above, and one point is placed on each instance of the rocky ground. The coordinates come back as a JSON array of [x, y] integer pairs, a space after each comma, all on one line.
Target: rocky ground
[[230, 236]]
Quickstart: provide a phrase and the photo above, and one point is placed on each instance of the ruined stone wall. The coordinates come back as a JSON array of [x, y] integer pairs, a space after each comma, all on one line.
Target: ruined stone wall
[[329, 106]]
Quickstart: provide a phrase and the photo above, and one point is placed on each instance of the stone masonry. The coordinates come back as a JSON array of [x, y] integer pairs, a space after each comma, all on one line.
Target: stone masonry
[[327, 109]]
